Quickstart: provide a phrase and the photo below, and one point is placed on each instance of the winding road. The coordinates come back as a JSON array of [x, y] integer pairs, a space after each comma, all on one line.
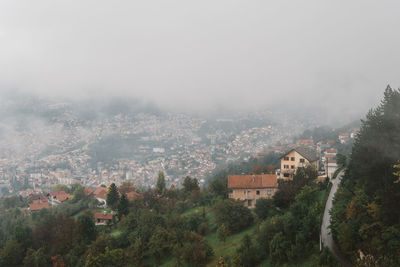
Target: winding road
[[326, 236]]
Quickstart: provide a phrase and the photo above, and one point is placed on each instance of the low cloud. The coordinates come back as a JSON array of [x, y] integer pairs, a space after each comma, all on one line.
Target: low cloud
[[186, 55]]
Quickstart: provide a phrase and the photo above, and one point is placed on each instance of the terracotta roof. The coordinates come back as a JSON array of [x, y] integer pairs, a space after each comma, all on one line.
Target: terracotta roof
[[331, 150], [33, 197], [100, 192], [88, 191], [103, 216], [41, 199], [252, 181], [60, 195], [38, 206]]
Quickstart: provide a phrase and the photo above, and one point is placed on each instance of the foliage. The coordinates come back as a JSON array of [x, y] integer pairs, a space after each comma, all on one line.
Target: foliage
[[190, 184], [11, 254], [326, 258], [219, 187], [264, 208], [160, 184], [36, 258], [175, 226], [86, 228], [114, 257], [160, 243], [365, 215], [248, 253], [78, 192], [222, 233], [137, 253], [112, 196], [194, 250], [341, 159], [123, 206], [233, 214], [288, 189]]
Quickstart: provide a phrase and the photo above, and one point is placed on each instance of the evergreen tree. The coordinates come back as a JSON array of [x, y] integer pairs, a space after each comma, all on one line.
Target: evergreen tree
[[123, 206], [160, 185], [365, 214], [112, 196]]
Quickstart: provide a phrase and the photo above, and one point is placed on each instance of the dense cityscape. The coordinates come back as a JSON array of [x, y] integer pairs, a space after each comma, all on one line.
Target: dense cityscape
[[58, 145]]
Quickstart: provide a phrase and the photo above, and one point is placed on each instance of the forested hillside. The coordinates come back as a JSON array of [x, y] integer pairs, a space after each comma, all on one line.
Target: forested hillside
[[188, 226], [366, 215]]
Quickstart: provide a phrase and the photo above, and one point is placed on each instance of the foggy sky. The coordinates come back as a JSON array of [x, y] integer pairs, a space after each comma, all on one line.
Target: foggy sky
[[186, 54]]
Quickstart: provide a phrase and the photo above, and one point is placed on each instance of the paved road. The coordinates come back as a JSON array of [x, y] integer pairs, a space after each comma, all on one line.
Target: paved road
[[326, 236]]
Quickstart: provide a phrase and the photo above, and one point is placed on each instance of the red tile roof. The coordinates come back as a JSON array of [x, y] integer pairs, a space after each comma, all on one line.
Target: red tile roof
[[253, 181], [60, 195], [100, 192], [38, 206], [331, 150], [103, 216], [88, 191], [40, 200], [33, 197]]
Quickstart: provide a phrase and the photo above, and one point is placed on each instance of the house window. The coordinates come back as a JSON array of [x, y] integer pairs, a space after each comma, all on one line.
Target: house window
[[286, 175], [292, 167], [269, 191], [302, 160], [286, 166], [292, 158], [258, 192], [286, 158]]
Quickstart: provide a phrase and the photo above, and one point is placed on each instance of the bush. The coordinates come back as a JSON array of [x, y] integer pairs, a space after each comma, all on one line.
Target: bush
[[233, 214], [264, 207]]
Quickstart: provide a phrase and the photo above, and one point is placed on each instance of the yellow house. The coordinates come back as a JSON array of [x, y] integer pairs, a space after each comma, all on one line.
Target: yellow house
[[295, 158]]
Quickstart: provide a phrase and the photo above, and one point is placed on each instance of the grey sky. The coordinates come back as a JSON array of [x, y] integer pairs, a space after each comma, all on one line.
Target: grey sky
[[200, 54]]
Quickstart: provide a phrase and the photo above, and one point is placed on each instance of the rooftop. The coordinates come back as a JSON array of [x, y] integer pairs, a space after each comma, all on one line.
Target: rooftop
[[252, 181], [305, 152], [103, 216]]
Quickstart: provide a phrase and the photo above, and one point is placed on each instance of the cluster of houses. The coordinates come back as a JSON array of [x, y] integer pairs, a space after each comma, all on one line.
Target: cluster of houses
[[322, 156], [250, 188], [41, 201], [38, 202]]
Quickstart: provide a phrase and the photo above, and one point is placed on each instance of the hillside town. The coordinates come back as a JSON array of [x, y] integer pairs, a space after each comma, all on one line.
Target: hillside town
[[64, 148]]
